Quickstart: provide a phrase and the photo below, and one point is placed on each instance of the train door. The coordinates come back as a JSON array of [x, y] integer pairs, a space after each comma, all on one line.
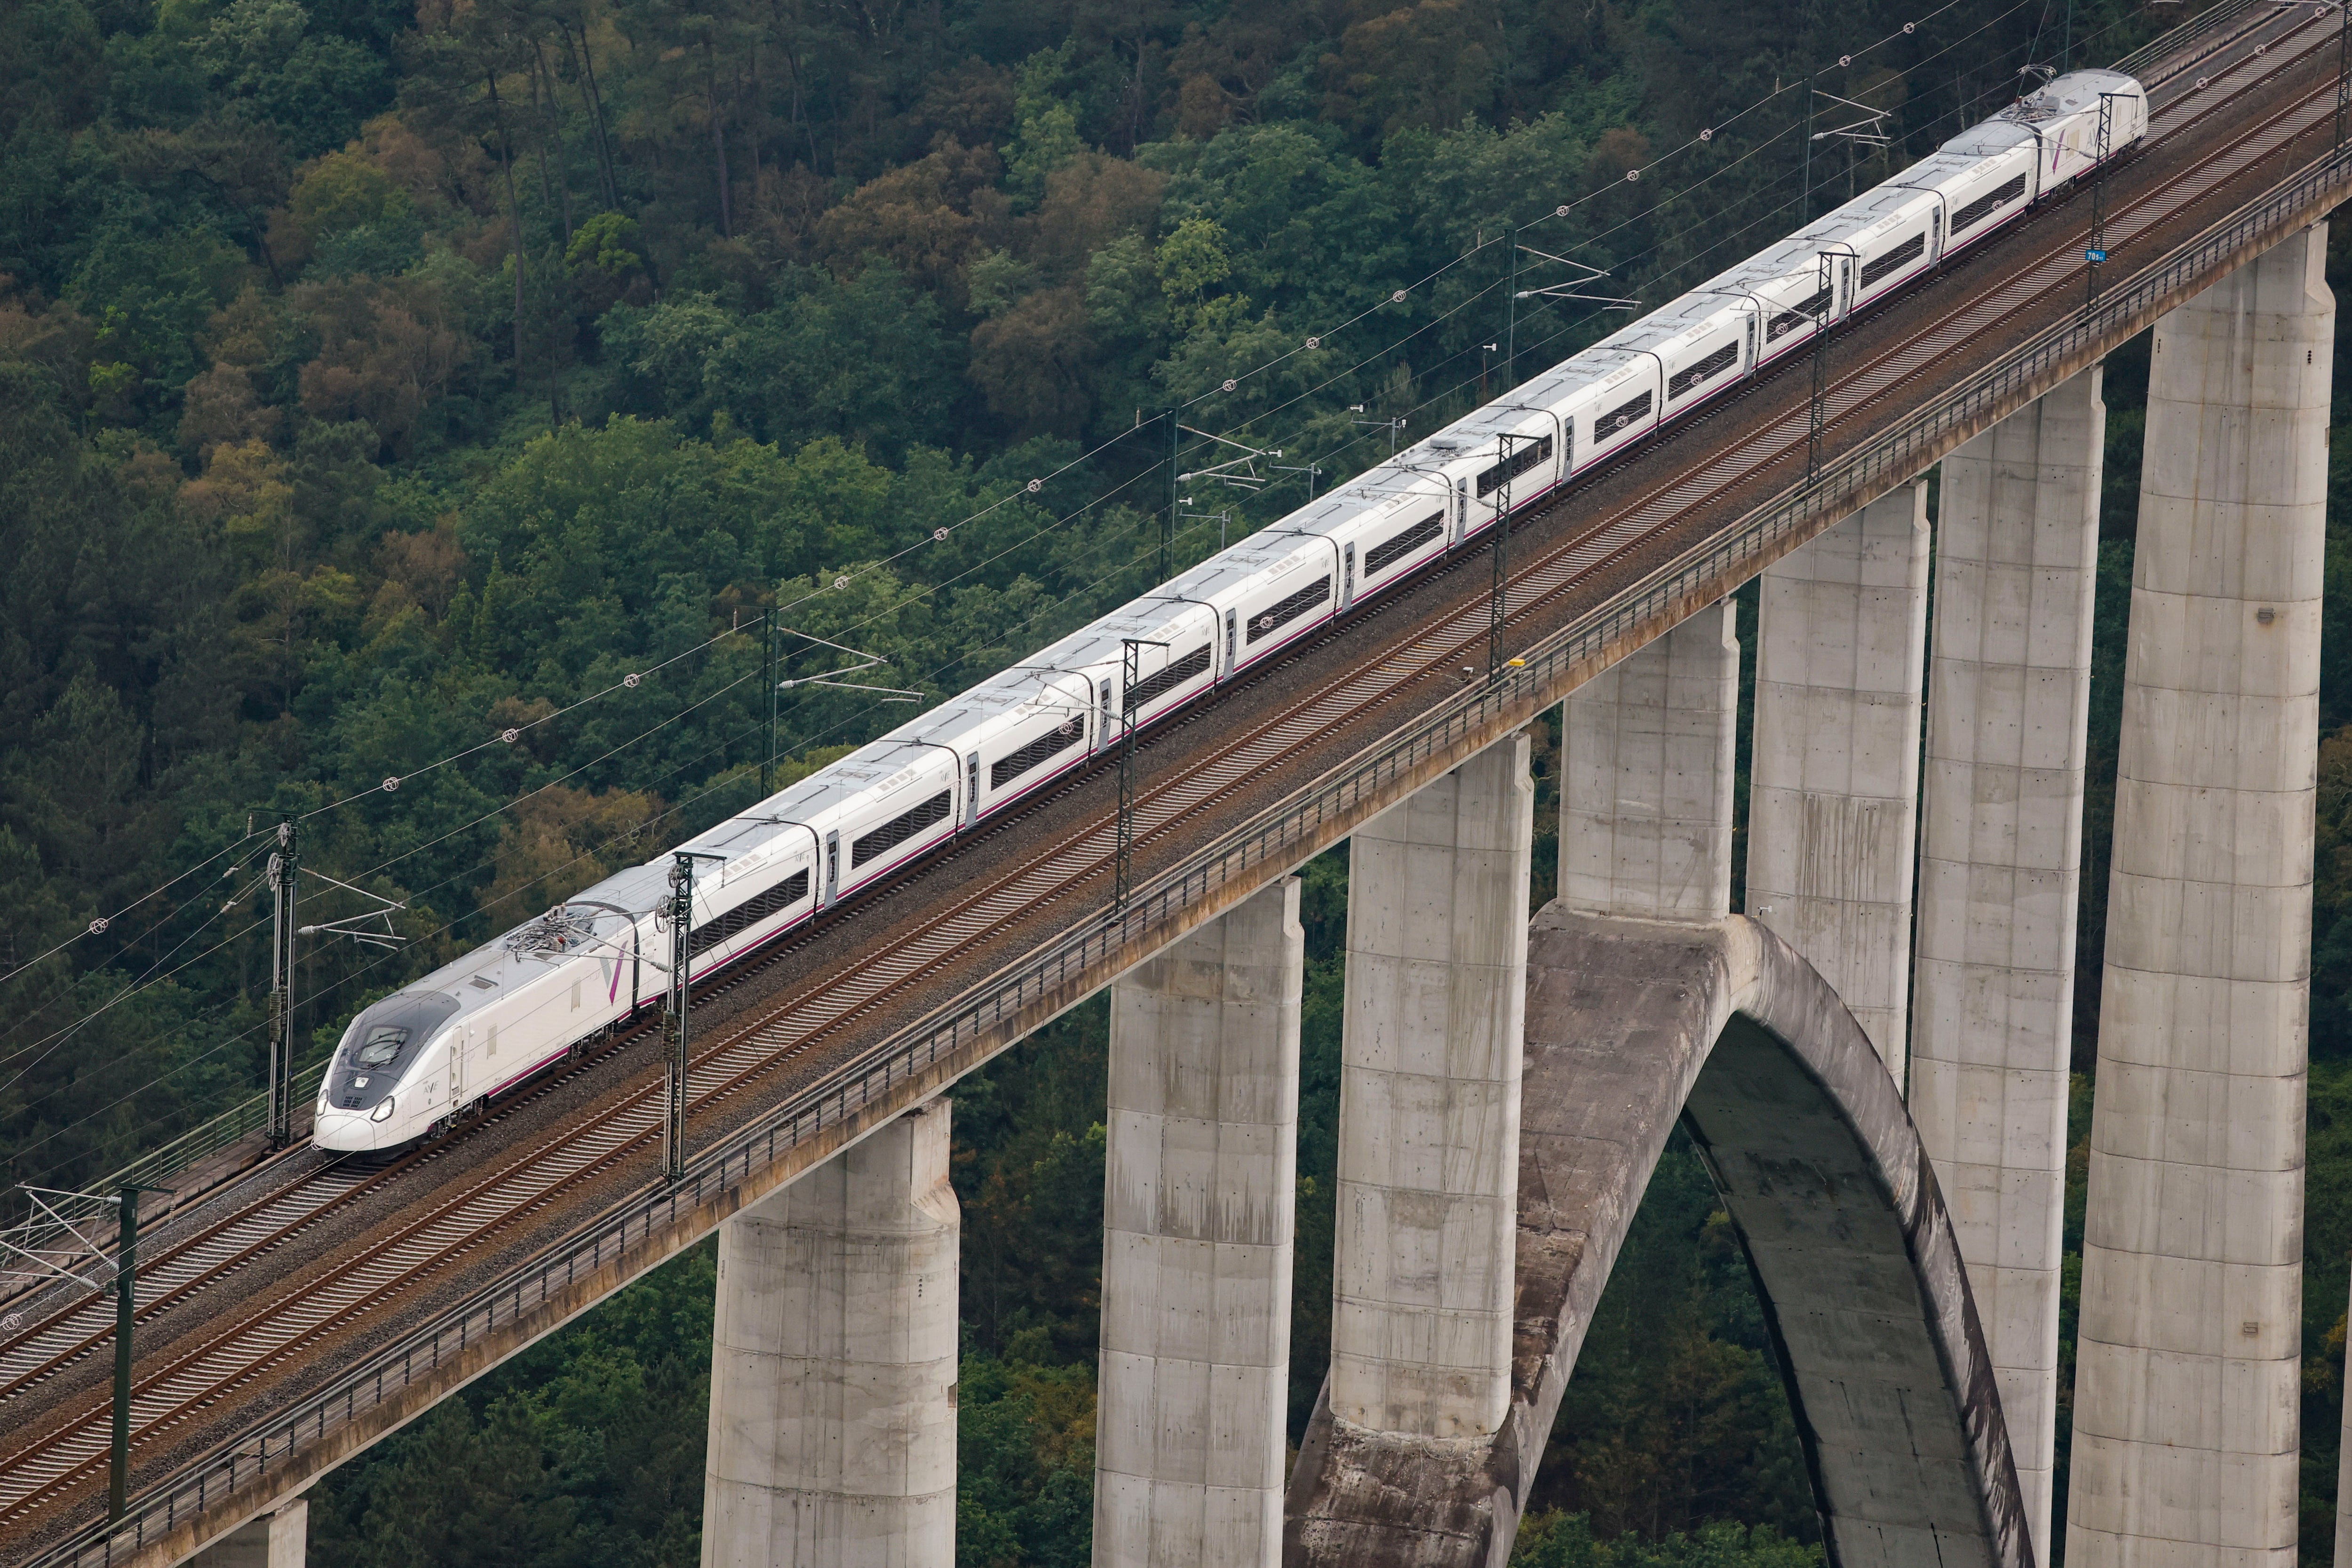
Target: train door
[[1747, 339], [1102, 713], [972, 787], [460, 1048], [832, 867], [1230, 642], [1347, 577]]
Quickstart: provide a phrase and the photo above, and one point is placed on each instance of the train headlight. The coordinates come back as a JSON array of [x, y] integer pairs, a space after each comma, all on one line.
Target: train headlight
[[382, 1112]]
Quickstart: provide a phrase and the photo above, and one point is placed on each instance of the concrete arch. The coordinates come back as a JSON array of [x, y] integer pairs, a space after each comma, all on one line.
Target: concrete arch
[[1628, 1025]]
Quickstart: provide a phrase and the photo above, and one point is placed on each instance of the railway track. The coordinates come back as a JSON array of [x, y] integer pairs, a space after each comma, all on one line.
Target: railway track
[[828, 985]]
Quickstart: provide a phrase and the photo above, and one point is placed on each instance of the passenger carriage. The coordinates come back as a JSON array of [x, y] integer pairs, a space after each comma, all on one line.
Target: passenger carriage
[[443, 1046]]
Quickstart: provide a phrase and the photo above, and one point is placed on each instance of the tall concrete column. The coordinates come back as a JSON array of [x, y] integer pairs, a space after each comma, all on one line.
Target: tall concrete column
[[2186, 1384], [1431, 1047], [1198, 1202], [280, 1539], [1648, 753], [1832, 805], [833, 1385], [2008, 714]]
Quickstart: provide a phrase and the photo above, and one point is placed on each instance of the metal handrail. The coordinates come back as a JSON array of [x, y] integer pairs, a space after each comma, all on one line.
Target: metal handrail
[[1277, 834], [243, 1120], [2175, 40]]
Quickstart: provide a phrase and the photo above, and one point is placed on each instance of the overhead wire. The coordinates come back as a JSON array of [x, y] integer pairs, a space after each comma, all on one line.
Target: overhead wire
[[1107, 498]]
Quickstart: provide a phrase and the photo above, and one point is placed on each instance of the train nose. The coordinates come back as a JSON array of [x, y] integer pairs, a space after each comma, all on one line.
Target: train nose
[[355, 1132]]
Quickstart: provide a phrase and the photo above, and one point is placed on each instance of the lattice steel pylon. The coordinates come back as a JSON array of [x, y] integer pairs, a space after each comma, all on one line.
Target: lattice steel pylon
[[1123, 855], [681, 958], [283, 877], [1496, 606], [1817, 413]]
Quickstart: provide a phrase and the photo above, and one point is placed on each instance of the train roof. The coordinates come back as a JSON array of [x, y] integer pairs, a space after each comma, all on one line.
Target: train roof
[[1010, 694], [1099, 645], [875, 767], [2077, 92], [1269, 549]]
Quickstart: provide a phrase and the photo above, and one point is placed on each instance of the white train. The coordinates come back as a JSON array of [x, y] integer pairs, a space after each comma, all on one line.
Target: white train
[[439, 1048]]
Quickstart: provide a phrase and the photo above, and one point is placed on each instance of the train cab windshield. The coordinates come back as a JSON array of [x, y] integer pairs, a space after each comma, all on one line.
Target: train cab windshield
[[381, 1047], [381, 1043]]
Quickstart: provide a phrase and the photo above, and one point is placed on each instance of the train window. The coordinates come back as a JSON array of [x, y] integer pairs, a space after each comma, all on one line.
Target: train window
[[1053, 742], [1806, 311], [1895, 260], [380, 1048], [1619, 418], [749, 914], [1286, 610], [1689, 379], [898, 830], [1166, 678], [1525, 455], [1985, 206], [1402, 544]]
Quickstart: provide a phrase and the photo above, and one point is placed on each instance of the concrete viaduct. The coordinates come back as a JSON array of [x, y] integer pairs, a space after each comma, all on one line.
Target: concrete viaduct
[[1872, 1060]]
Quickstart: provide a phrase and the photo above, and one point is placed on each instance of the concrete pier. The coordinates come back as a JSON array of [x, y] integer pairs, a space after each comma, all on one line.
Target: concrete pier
[[2187, 1382], [280, 1539], [1429, 1104], [832, 1387], [1648, 754], [1833, 792], [2000, 862], [1198, 1208]]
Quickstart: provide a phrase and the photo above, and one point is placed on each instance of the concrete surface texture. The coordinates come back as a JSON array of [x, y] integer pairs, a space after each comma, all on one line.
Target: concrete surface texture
[[278, 1540], [833, 1421], [1647, 759], [1629, 1023], [1832, 806], [1198, 1197], [2186, 1386], [2009, 702], [1429, 1104]]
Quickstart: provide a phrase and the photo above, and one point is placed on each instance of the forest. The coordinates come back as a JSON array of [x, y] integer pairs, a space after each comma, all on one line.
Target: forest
[[412, 418]]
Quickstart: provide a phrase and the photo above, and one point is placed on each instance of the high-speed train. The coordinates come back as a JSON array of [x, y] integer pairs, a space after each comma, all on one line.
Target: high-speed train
[[412, 1063]]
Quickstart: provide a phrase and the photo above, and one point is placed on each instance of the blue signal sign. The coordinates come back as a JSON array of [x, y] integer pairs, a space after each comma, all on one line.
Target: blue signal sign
[[2094, 255]]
